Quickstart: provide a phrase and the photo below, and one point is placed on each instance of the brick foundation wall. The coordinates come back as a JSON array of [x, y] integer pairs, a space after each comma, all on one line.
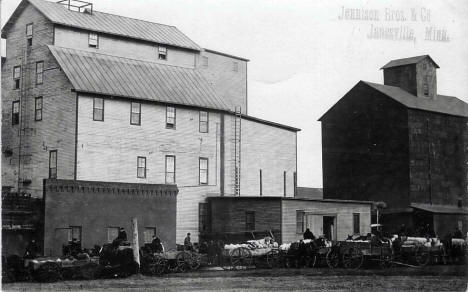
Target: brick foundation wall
[[97, 205]]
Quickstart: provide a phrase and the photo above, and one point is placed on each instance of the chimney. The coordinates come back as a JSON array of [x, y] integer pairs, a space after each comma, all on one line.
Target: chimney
[[417, 75]]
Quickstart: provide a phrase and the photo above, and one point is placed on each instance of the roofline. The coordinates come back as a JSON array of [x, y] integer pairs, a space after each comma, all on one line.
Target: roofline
[[295, 199], [23, 3], [226, 55], [425, 56], [198, 107], [320, 119]]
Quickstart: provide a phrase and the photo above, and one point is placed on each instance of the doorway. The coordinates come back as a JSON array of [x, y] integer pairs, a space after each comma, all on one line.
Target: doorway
[[329, 227]]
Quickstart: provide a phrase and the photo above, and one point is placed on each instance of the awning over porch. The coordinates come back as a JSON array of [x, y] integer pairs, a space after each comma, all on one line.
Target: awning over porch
[[440, 209]]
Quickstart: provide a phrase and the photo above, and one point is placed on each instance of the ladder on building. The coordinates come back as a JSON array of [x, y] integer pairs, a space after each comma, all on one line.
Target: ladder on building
[[237, 150]]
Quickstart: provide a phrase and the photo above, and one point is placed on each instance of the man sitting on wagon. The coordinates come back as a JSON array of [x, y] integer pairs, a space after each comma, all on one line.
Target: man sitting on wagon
[[156, 245], [308, 234]]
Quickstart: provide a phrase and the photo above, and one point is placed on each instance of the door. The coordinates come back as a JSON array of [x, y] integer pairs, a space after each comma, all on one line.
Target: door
[[60, 239], [314, 223], [329, 227]]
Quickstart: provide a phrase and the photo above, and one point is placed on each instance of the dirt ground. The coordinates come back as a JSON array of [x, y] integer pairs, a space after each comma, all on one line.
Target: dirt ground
[[433, 278]]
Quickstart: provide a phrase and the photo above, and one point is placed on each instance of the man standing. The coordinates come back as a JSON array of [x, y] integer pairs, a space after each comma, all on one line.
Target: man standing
[[187, 243]]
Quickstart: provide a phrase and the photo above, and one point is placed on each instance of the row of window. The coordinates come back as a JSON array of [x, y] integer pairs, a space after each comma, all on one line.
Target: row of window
[[135, 115], [17, 75], [301, 222], [15, 110], [170, 168], [235, 65], [93, 42], [75, 232]]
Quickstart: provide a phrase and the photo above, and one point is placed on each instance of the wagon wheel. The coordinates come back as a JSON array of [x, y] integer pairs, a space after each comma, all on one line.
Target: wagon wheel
[[386, 261], [195, 260], [49, 272], [183, 261], [241, 257], [353, 258], [421, 256], [89, 271], [272, 258], [158, 265], [333, 258]]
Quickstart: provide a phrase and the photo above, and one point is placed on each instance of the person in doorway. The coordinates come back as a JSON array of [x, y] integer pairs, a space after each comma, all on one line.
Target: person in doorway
[[457, 233], [156, 245], [308, 234], [187, 242], [32, 250]]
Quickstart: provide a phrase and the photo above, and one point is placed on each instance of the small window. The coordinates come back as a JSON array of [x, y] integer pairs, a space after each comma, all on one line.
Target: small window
[[15, 112], [203, 127], [203, 166], [39, 71], [356, 223], [141, 167], [162, 53], [93, 40], [148, 234], [170, 117], [235, 66], [53, 164], [205, 61], [16, 77], [299, 221], [98, 109], [170, 169], [74, 233], [203, 217], [426, 85], [135, 114], [38, 109], [249, 220], [112, 233], [29, 34]]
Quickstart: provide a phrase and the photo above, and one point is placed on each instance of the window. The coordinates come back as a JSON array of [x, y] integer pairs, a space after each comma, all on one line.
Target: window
[[148, 234], [426, 85], [98, 109], [203, 217], [29, 34], [162, 53], [38, 109], [235, 66], [356, 223], [93, 40], [203, 127], [170, 117], [203, 166], [249, 220], [135, 113], [15, 112], [170, 169], [141, 167], [112, 233], [205, 61], [53, 164], [74, 233], [299, 221], [16, 77], [39, 71]]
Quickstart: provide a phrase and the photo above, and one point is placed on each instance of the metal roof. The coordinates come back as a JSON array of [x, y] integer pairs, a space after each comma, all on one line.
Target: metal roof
[[439, 209], [408, 61], [441, 104], [107, 23], [96, 73]]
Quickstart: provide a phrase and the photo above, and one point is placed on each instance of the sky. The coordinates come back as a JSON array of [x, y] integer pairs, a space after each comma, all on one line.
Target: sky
[[305, 55]]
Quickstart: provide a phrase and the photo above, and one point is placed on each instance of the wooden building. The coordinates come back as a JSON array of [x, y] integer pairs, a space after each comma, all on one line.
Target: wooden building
[[92, 96], [401, 143]]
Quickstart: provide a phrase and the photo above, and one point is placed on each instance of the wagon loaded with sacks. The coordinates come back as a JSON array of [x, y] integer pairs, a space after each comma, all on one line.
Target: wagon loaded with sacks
[[253, 253], [418, 251], [170, 261]]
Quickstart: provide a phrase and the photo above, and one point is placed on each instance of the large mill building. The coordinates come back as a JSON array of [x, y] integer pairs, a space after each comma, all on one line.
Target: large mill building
[[402, 143], [101, 108]]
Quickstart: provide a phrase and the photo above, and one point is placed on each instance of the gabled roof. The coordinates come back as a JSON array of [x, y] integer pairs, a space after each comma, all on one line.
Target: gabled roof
[[408, 61], [439, 209], [107, 23], [91, 72], [441, 104]]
